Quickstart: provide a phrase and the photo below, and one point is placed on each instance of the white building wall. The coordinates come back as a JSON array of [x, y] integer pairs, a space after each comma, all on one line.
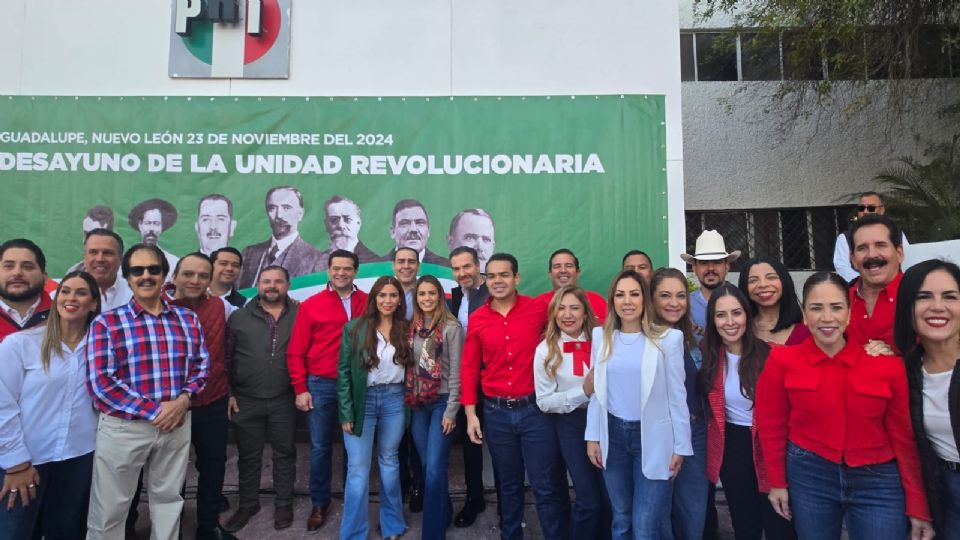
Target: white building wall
[[371, 47]]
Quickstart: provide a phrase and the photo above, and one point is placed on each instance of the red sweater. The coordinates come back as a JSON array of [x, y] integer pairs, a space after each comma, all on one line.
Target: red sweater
[[213, 321], [716, 427], [597, 303], [315, 342], [852, 409], [7, 326]]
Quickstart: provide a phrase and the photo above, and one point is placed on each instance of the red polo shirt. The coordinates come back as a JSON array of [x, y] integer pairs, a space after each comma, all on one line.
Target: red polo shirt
[[852, 409], [504, 346], [879, 325], [597, 303]]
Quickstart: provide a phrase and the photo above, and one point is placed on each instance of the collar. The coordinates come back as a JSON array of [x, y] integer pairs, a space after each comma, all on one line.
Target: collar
[[815, 355], [15, 315], [138, 310], [564, 338], [283, 244], [334, 291], [890, 289]]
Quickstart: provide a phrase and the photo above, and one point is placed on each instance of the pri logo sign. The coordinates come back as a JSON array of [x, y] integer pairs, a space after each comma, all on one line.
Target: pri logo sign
[[244, 39]]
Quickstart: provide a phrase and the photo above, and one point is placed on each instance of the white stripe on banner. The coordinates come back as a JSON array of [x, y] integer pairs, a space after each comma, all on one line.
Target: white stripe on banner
[[228, 46]]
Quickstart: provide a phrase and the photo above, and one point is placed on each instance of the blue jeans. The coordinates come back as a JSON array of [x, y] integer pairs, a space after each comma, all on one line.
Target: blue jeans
[[823, 494], [60, 507], [590, 513], [639, 503], [321, 420], [950, 502], [523, 438], [384, 413], [434, 449], [690, 489]]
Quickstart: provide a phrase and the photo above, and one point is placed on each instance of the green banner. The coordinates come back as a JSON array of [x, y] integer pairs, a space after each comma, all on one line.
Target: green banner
[[525, 175]]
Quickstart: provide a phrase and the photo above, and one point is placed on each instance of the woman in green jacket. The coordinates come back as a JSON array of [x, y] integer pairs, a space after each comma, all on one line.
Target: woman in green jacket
[[370, 375]]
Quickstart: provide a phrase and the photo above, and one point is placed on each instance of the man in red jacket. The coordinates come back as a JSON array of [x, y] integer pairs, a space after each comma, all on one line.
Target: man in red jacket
[[312, 362], [23, 271]]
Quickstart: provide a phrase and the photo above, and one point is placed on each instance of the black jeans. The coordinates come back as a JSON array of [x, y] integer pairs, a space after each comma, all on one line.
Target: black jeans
[[262, 421], [208, 433], [60, 507], [750, 511]]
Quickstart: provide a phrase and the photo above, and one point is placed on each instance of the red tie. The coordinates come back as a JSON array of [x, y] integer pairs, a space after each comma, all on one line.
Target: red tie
[[581, 355]]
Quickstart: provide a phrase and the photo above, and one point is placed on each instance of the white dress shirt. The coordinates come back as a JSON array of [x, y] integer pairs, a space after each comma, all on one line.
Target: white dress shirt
[[564, 392], [15, 315], [118, 294], [386, 372], [44, 415]]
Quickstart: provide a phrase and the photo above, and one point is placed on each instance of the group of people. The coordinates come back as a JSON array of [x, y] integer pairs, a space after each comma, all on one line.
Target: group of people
[[840, 407]]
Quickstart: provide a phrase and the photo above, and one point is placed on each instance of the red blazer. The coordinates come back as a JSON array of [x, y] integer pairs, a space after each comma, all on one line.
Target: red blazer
[[852, 408], [715, 431]]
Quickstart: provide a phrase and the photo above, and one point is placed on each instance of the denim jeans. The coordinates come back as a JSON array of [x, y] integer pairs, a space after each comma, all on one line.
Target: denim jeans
[[60, 506], [521, 438], [434, 449], [321, 421], [950, 502], [690, 489], [590, 513], [639, 503], [824, 494], [384, 414]]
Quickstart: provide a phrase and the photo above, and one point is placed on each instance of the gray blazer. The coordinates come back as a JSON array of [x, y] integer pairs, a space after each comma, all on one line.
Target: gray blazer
[[299, 259]]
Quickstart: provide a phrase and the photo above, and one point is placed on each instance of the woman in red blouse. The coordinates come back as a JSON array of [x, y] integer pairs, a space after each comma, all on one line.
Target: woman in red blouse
[[778, 319], [834, 426]]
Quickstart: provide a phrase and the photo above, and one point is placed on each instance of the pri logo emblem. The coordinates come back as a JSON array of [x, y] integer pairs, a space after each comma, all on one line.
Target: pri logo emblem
[[230, 39]]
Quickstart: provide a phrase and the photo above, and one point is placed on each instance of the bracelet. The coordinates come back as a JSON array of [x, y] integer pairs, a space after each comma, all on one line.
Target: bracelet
[[24, 468]]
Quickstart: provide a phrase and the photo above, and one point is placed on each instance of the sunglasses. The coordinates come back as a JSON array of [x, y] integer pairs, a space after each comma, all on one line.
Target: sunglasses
[[868, 207], [153, 270]]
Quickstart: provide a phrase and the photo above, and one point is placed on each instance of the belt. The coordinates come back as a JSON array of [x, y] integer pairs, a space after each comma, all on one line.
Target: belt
[[951, 465], [513, 403]]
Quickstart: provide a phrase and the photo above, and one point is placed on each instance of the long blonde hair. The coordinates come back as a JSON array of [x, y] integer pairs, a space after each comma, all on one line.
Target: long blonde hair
[[648, 328], [553, 333], [52, 343]]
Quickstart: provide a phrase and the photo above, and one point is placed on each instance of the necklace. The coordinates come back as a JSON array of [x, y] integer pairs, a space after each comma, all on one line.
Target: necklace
[[634, 342]]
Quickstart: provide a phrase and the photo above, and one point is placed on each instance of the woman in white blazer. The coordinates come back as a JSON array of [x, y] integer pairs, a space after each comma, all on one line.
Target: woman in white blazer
[[638, 424]]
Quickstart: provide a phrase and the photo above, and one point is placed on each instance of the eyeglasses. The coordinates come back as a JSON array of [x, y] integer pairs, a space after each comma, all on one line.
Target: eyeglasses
[[153, 270], [868, 207]]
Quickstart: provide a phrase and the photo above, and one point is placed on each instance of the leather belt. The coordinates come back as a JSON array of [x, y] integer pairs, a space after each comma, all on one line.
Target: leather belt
[[513, 403]]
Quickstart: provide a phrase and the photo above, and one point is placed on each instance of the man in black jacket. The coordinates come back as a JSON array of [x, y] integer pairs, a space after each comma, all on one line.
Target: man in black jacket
[[464, 300], [261, 403]]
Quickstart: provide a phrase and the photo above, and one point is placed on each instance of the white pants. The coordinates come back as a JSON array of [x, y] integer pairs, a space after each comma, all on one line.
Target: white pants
[[124, 447]]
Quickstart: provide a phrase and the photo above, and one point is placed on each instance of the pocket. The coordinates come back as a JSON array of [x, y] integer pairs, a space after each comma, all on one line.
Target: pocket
[[802, 392], [109, 424], [796, 452], [870, 398]]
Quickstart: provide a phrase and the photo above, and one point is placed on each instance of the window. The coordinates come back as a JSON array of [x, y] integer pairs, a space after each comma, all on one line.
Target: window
[[687, 71], [716, 56], [932, 55], [760, 57]]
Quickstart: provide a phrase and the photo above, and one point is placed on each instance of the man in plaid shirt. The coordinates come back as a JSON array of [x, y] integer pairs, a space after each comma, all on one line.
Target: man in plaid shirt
[[146, 362]]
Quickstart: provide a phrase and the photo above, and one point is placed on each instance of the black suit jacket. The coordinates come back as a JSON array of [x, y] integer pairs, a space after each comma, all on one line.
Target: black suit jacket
[[300, 258], [363, 253], [428, 257]]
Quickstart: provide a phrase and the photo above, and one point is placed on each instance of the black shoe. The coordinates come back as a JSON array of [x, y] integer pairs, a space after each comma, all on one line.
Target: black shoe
[[416, 500], [468, 515], [216, 533], [224, 504]]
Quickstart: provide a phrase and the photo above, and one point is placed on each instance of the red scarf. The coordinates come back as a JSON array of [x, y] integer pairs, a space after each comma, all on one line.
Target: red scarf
[[423, 378]]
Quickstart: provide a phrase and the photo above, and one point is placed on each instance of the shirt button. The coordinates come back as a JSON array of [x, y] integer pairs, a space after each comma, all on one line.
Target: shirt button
[[508, 337]]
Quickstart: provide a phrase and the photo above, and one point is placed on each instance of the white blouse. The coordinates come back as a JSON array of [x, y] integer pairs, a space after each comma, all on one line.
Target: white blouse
[[936, 415], [386, 371], [44, 415], [739, 410], [564, 392]]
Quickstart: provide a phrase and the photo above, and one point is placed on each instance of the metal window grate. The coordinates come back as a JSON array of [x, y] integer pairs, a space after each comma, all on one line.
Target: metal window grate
[[803, 238]]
